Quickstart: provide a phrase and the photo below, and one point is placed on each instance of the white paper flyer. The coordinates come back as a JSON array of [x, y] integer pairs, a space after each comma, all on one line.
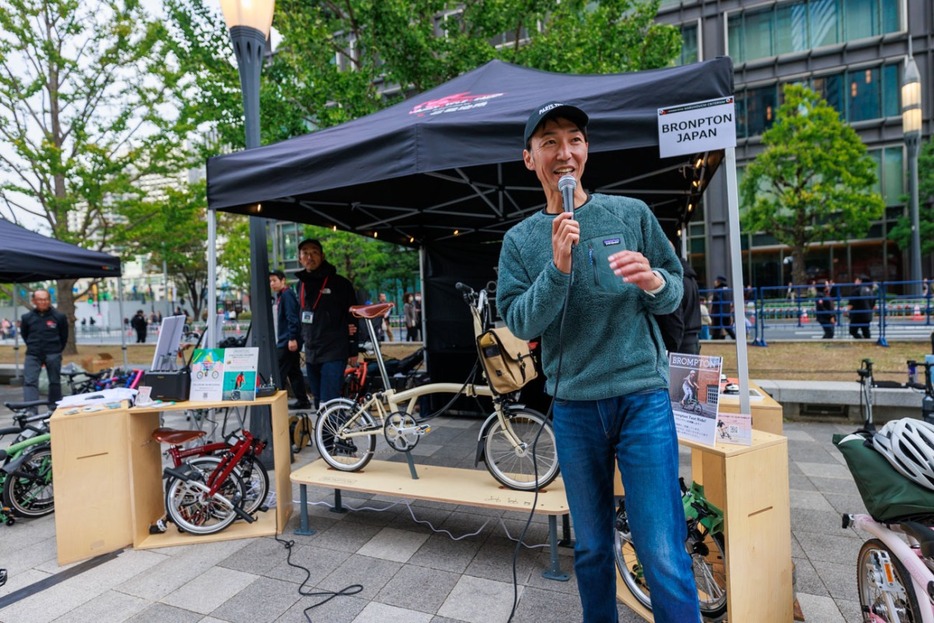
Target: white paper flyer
[[735, 428], [207, 375], [694, 390], [240, 366]]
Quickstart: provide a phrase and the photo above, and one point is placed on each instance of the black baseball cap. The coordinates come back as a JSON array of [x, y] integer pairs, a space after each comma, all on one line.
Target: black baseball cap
[[310, 241], [552, 110]]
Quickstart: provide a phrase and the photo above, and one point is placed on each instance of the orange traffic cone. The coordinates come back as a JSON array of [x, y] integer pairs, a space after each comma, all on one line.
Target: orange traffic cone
[[916, 315], [804, 316]]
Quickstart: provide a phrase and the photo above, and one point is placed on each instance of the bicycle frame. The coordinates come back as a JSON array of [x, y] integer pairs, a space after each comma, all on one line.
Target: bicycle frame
[[921, 576], [389, 400]]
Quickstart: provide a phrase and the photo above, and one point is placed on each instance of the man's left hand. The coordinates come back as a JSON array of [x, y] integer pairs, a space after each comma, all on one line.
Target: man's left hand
[[635, 268]]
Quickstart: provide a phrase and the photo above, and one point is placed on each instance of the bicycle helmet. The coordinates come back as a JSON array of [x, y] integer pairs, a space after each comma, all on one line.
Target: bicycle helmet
[[908, 445]]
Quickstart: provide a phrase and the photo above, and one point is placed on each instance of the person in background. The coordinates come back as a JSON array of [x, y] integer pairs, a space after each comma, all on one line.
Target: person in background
[[289, 338], [721, 310], [860, 308], [611, 403], [705, 320], [411, 318], [386, 328], [45, 333], [825, 311], [418, 316], [328, 328], [139, 324], [681, 328]]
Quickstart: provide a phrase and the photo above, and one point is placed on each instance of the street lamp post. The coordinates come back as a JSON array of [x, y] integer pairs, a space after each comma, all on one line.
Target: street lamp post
[[911, 127], [249, 22]]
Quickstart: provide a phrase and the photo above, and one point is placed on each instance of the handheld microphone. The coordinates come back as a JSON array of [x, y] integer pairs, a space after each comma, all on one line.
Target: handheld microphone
[[567, 184]]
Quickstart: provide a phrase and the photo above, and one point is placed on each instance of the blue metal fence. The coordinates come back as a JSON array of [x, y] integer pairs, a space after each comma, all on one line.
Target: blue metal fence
[[790, 312]]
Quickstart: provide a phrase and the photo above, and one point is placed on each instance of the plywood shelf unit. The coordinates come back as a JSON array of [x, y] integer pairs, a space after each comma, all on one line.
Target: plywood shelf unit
[[108, 479]]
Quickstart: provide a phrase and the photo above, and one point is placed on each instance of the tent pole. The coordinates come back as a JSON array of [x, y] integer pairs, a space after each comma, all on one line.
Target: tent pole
[[122, 328], [736, 277], [212, 337], [421, 285], [17, 379]]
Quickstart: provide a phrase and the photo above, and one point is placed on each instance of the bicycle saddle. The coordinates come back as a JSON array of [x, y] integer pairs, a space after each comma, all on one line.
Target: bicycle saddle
[[176, 436], [376, 310], [16, 406]]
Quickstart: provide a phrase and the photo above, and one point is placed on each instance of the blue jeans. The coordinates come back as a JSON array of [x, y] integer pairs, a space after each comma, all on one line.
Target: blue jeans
[[325, 380], [638, 431], [32, 366]]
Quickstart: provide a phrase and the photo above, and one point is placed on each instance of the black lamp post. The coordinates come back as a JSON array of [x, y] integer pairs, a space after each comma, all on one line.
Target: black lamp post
[[911, 127], [249, 22]]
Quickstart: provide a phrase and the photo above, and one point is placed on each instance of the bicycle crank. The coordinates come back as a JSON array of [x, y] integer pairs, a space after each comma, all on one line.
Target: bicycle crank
[[402, 432]]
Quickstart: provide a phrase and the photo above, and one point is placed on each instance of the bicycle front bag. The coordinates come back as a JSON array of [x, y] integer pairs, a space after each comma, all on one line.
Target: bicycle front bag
[[507, 360]]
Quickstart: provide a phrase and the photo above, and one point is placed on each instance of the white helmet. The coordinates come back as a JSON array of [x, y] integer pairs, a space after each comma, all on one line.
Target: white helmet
[[908, 444]]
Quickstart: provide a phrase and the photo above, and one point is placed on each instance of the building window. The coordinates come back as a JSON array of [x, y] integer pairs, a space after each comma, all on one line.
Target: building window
[[689, 45], [891, 167], [797, 26]]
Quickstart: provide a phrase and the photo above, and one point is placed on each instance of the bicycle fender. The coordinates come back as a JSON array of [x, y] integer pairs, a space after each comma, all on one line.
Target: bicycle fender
[[13, 465], [480, 456]]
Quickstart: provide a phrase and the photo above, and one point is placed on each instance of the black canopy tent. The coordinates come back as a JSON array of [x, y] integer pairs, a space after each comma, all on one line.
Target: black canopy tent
[[443, 171], [26, 257]]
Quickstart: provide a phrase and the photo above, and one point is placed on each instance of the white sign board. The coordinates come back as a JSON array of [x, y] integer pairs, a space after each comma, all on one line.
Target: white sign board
[[697, 127]]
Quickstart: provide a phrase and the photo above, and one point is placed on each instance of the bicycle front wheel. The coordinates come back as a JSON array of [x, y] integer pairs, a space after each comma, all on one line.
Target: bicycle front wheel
[[347, 454], [880, 600], [194, 511], [512, 465], [708, 562], [28, 491]]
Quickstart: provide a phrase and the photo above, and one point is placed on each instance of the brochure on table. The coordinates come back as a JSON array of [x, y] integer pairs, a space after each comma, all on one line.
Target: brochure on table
[[207, 375], [694, 391], [240, 373]]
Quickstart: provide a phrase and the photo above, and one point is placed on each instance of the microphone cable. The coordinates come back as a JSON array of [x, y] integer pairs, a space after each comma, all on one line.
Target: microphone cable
[[548, 414]]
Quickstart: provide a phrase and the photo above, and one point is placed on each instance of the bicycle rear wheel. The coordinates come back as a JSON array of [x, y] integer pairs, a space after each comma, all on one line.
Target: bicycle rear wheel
[[513, 466], [348, 454], [192, 510], [28, 491], [251, 472], [880, 600], [707, 560]]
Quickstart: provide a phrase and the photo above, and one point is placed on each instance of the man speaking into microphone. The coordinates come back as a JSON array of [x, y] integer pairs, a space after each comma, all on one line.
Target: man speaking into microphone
[[608, 260]]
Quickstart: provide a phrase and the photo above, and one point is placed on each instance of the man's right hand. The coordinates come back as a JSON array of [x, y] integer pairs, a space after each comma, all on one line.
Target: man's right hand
[[565, 233]]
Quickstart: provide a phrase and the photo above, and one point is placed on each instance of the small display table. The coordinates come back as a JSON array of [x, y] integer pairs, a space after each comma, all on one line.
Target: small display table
[[750, 485], [108, 479]]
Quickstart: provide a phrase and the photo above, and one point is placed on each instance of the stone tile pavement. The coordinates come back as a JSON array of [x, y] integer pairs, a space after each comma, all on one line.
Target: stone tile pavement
[[416, 562]]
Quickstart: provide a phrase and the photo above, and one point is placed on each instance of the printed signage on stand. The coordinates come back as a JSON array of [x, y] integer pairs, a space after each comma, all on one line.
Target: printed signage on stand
[[697, 127]]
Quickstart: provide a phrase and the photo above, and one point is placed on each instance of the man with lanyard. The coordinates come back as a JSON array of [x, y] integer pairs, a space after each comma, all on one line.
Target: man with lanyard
[[605, 366], [327, 325], [45, 332], [288, 338]]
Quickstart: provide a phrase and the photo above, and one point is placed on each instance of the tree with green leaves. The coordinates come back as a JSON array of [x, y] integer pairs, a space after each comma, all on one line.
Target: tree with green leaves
[[337, 61], [901, 233], [813, 182], [82, 118]]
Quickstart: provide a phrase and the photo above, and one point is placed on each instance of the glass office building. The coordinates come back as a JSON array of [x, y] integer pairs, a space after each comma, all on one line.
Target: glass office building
[[853, 53]]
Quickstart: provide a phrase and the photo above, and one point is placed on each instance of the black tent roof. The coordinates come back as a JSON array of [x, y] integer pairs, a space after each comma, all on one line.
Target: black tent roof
[[26, 256], [447, 163]]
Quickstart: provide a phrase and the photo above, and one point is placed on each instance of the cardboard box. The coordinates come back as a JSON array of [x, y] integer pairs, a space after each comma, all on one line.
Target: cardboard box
[[98, 362]]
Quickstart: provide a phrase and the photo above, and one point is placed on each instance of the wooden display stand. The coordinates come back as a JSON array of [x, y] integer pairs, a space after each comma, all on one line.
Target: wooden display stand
[[450, 485], [750, 485], [766, 413], [108, 479]]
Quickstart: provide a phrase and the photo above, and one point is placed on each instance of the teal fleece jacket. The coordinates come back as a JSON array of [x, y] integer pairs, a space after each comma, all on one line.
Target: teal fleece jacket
[[611, 345]]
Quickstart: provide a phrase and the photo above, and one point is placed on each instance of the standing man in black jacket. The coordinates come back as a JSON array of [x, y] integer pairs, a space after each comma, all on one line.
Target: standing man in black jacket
[[327, 325], [45, 332]]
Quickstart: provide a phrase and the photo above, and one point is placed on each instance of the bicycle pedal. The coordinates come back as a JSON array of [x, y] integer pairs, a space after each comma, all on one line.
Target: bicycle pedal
[[159, 527], [423, 429]]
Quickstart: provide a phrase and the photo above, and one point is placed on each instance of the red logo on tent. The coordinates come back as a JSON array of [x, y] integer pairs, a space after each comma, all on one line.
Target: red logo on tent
[[452, 103]]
